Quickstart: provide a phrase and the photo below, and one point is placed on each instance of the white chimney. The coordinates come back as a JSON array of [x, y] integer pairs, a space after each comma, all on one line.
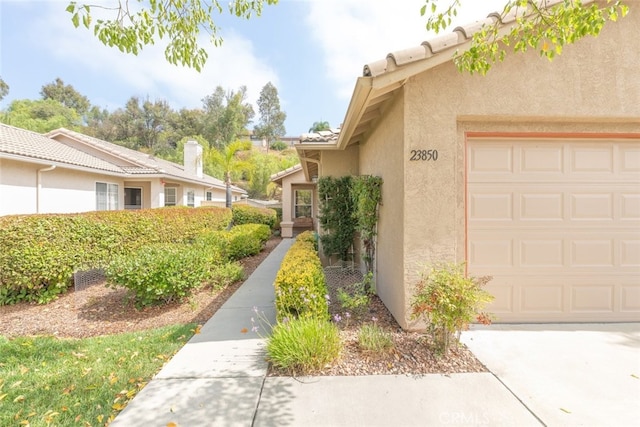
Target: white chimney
[[193, 158]]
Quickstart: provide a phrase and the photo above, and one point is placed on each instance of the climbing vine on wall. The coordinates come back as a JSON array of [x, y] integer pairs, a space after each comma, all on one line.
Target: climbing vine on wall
[[349, 205], [336, 216], [366, 192]]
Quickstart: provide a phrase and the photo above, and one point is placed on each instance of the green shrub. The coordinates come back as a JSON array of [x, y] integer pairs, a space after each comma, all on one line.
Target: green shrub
[[279, 145], [300, 284], [302, 346], [40, 252], [245, 214], [447, 300], [239, 242], [225, 274], [309, 237], [163, 273], [372, 337]]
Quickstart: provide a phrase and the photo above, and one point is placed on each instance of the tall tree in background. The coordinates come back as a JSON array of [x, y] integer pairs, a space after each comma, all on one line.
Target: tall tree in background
[[41, 115], [318, 126], [272, 119], [228, 161], [66, 95], [4, 89], [539, 25], [227, 115], [180, 21]]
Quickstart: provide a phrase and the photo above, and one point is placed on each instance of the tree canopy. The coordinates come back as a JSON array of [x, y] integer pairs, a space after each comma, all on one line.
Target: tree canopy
[[538, 25], [272, 119], [133, 26]]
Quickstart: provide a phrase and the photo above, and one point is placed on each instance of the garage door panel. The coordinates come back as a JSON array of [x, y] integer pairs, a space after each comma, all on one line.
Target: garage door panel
[[541, 159], [491, 206], [630, 299], [557, 224], [629, 159], [591, 158], [630, 206], [541, 253], [592, 298], [592, 253], [491, 158], [542, 298], [594, 206], [491, 252], [630, 253], [542, 206]]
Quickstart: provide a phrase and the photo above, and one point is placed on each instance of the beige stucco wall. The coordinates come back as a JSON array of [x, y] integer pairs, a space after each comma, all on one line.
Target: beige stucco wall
[[592, 87], [382, 155], [340, 163]]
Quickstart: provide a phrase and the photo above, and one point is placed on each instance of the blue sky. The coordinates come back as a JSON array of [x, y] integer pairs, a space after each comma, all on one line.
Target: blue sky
[[311, 50]]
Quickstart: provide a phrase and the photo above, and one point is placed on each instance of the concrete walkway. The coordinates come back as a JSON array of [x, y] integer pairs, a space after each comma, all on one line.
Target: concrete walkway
[[544, 378]]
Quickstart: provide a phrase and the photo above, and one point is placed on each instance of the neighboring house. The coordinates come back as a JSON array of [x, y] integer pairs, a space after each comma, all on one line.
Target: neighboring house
[[299, 204], [66, 172], [530, 174]]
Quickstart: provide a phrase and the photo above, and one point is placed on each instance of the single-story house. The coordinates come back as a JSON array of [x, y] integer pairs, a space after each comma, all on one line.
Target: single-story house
[[530, 174], [67, 172]]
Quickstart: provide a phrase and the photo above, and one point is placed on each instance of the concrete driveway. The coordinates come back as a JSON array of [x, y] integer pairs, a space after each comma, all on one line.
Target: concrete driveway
[[566, 374]]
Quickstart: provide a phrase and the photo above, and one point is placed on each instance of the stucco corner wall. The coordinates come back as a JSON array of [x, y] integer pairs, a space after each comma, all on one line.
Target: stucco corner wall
[[382, 155]]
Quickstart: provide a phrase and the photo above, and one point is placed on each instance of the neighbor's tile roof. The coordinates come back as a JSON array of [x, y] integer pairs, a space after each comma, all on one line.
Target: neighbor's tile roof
[[322, 136], [121, 160], [289, 171], [25, 143], [141, 163]]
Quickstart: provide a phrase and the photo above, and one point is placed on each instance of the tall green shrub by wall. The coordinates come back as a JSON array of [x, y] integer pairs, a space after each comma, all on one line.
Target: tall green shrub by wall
[[300, 284], [39, 253], [245, 214]]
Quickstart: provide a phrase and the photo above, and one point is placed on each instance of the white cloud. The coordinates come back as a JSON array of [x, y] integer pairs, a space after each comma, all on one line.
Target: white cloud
[[352, 33], [230, 66]]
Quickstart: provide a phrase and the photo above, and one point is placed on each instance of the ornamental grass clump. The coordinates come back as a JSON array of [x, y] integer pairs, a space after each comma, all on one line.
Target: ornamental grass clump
[[373, 338], [303, 346], [448, 300]]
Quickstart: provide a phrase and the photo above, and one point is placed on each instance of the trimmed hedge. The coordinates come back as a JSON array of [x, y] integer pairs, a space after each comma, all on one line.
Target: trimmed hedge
[[40, 252], [239, 242], [300, 284], [245, 214]]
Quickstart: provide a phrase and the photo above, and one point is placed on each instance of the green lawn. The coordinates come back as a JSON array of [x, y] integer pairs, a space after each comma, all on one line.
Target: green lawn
[[86, 382]]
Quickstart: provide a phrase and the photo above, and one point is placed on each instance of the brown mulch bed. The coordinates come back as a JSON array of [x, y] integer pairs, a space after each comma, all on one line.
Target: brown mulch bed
[[98, 310]]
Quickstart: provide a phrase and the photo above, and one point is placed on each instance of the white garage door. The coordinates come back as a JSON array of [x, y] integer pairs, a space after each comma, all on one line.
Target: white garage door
[[557, 225]]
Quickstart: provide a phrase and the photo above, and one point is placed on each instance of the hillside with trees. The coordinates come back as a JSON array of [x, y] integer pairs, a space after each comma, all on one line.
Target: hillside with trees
[[232, 150]]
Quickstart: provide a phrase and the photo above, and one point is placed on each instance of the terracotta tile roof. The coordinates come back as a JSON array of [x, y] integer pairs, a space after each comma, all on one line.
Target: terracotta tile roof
[[277, 177], [459, 36], [322, 136], [139, 163], [23, 143]]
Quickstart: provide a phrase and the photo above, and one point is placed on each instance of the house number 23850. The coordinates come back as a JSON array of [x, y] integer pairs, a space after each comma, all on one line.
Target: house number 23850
[[424, 155]]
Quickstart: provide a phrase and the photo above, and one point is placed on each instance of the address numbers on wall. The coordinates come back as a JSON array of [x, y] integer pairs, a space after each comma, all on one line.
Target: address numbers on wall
[[424, 155]]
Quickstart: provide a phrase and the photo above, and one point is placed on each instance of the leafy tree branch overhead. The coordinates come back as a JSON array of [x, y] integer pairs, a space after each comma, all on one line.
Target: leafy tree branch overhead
[[544, 25], [134, 25]]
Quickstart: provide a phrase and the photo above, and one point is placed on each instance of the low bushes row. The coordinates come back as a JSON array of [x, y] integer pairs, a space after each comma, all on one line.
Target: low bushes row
[[41, 252], [300, 284]]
